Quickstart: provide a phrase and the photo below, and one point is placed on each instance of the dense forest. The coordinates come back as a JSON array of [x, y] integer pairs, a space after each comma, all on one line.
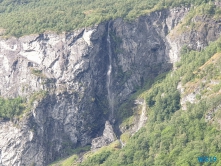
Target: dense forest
[[22, 17]]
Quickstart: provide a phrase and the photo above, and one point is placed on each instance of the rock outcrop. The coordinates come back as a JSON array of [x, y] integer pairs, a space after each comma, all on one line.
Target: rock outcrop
[[194, 38], [70, 69], [104, 140]]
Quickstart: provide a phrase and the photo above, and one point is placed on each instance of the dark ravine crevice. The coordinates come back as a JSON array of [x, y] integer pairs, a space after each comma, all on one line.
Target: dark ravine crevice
[[76, 38]]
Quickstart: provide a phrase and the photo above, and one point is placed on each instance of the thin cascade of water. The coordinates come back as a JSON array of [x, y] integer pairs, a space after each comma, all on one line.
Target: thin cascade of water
[[121, 143], [109, 77]]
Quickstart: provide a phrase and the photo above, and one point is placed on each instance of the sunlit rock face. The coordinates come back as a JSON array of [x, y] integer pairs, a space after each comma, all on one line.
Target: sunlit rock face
[[72, 68]]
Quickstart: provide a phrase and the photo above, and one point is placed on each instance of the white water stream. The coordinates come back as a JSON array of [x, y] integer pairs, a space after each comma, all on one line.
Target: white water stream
[[121, 144], [109, 78], [110, 95]]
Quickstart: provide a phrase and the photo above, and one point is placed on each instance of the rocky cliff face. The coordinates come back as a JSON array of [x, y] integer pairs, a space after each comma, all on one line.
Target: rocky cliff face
[[71, 70], [104, 140], [205, 30]]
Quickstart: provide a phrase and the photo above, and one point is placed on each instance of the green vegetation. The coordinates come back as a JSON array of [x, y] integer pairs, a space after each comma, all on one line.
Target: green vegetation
[[15, 107], [99, 156], [22, 17], [37, 73], [208, 10], [36, 96], [41, 74], [10, 108], [173, 136], [96, 156], [198, 19], [126, 111], [71, 160], [66, 162]]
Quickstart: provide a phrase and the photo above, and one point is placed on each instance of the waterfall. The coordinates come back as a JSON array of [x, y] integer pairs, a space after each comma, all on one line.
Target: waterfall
[[143, 117], [121, 144], [109, 78]]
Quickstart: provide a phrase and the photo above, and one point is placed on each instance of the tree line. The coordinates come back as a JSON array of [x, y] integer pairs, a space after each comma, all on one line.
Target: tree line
[[23, 17]]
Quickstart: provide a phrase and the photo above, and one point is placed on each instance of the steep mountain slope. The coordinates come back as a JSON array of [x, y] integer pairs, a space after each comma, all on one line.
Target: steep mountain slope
[[77, 88], [175, 135], [189, 133], [64, 78], [183, 112]]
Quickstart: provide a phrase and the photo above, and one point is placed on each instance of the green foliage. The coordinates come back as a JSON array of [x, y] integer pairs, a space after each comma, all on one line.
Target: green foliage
[[36, 96], [22, 17], [36, 72], [10, 108], [15, 107], [99, 159], [73, 155], [66, 162], [99, 156], [39, 73]]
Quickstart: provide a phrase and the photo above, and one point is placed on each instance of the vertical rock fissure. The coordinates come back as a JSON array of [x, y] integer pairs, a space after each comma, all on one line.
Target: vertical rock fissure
[[109, 77]]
